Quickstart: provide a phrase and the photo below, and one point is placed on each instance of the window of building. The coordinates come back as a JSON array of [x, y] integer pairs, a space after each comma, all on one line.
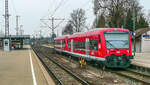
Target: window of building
[[94, 45]]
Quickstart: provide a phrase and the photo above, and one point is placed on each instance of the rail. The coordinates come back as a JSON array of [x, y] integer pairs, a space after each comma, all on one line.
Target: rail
[[134, 73], [57, 81], [64, 68]]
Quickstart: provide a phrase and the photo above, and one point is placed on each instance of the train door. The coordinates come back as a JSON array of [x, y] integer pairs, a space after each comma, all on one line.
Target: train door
[[100, 51], [72, 45], [61, 44], [87, 46]]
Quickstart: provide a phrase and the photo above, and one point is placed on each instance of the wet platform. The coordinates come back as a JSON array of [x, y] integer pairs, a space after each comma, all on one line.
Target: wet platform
[[22, 67], [142, 59]]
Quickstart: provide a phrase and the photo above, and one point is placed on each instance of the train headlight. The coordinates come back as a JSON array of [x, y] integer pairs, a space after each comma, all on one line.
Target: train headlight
[[107, 51], [99, 46], [128, 51]]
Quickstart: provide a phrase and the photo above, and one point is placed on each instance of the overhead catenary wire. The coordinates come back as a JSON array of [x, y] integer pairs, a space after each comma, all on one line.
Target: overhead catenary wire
[[50, 6], [13, 6], [61, 3], [58, 6]]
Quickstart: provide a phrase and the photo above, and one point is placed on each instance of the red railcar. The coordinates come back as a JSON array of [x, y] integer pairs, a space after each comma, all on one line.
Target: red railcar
[[111, 46], [61, 43]]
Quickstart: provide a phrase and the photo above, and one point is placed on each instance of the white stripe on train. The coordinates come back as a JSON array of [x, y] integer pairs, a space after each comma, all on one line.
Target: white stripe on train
[[84, 56]]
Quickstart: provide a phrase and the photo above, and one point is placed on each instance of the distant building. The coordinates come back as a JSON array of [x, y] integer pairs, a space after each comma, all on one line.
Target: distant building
[[142, 40]]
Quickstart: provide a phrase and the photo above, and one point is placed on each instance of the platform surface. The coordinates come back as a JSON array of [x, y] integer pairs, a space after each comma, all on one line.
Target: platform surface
[[142, 59], [15, 68]]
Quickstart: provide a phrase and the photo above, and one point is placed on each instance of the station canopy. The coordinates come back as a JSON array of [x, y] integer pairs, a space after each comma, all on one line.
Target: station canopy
[[15, 37]]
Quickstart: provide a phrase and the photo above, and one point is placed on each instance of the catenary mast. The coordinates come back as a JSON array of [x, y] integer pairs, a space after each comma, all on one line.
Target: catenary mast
[[6, 19]]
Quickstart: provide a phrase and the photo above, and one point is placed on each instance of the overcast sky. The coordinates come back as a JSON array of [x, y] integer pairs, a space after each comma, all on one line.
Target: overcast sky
[[31, 11]]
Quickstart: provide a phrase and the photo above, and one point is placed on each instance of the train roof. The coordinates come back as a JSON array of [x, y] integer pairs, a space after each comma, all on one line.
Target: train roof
[[90, 33], [96, 32], [61, 37]]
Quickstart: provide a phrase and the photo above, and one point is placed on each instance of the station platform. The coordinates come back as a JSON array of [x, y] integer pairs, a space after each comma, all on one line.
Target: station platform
[[22, 67], [142, 59]]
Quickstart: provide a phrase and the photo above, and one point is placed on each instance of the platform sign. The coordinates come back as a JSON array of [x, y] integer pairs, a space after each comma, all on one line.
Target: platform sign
[[146, 36], [132, 33]]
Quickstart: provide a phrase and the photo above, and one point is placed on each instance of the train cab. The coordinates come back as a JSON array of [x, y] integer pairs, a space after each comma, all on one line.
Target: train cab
[[118, 51]]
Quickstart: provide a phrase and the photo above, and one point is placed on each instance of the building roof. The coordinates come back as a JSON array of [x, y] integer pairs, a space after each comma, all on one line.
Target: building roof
[[141, 31]]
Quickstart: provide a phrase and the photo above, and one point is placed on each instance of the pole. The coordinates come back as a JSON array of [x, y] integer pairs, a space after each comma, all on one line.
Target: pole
[[40, 33], [52, 29], [6, 19], [17, 23], [134, 31], [7, 25], [96, 19], [21, 30], [52, 25]]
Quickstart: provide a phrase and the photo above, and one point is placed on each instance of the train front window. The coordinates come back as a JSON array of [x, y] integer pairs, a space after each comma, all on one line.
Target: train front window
[[117, 39]]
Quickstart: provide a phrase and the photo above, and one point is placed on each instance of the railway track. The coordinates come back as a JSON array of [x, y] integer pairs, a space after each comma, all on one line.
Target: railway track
[[60, 73], [135, 76]]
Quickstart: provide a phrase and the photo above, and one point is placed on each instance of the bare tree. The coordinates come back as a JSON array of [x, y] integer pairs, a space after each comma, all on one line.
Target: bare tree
[[148, 17], [68, 29], [114, 12], [78, 20]]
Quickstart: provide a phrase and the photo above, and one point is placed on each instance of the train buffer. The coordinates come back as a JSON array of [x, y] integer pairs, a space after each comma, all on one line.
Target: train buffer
[[22, 67]]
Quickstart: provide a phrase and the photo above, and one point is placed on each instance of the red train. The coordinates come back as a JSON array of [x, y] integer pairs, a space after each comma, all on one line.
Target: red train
[[110, 46]]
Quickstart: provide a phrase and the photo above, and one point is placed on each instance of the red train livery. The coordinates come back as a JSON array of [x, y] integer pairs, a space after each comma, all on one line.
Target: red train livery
[[110, 46]]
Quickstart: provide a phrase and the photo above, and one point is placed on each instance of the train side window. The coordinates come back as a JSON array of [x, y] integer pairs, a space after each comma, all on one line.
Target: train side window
[[75, 45], [94, 45], [79, 46], [63, 44], [99, 38], [82, 45]]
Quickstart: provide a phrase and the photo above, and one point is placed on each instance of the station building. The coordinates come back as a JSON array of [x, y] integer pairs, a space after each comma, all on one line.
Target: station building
[[142, 40]]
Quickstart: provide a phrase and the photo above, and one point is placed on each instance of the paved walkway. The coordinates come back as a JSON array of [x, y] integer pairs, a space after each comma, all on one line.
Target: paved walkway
[[142, 59], [16, 68]]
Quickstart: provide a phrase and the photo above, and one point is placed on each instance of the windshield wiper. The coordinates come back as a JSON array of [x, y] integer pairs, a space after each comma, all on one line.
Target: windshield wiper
[[126, 43], [111, 44]]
